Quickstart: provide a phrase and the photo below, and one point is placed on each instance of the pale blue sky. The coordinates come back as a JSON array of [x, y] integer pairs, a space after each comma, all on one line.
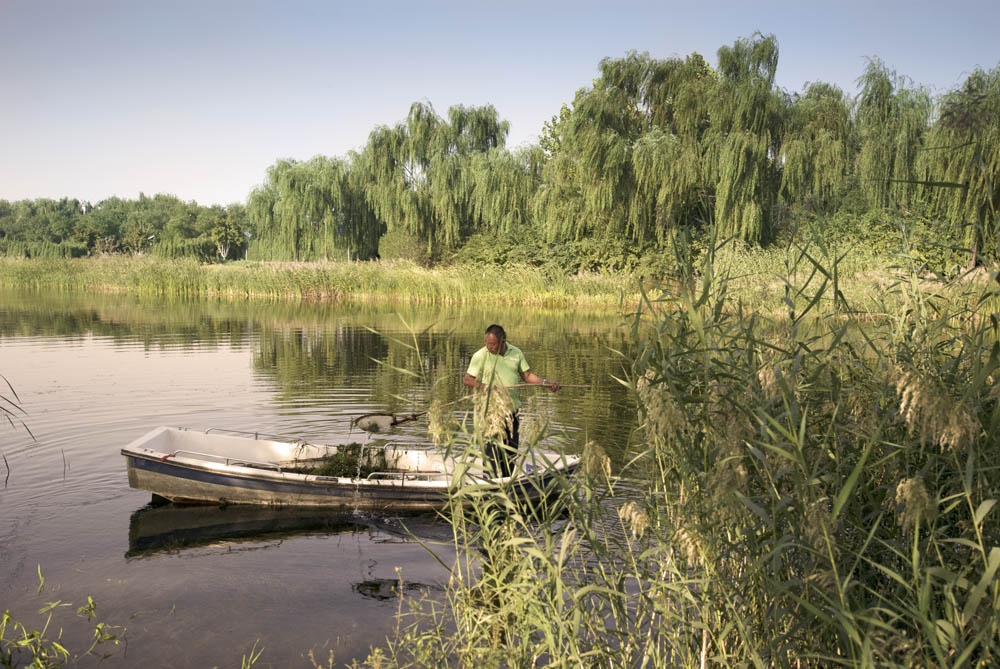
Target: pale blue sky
[[198, 98]]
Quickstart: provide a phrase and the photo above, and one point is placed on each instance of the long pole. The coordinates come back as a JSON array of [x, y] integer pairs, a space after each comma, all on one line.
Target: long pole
[[545, 385]]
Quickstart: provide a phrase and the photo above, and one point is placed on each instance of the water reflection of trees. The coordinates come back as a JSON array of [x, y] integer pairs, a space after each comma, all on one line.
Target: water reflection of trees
[[394, 370], [325, 354], [126, 320]]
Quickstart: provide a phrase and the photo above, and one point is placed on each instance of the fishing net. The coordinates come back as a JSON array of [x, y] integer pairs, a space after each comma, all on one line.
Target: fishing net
[[380, 422], [536, 416]]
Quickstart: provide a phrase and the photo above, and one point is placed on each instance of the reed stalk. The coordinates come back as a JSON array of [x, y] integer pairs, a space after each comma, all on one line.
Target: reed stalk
[[395, 281], [812, 487]]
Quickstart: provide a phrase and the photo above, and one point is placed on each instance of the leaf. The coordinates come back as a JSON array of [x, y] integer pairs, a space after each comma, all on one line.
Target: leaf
[[961, 542], [757, 509], [977, 594], [49, 606], [851, 482], [946, 633], [984, 509]]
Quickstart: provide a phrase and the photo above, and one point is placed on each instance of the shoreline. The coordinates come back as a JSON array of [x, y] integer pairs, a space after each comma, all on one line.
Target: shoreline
[[870, 285], [361, 282]]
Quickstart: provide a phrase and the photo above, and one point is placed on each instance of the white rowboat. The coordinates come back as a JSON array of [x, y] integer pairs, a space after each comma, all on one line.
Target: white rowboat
[[191, 467]]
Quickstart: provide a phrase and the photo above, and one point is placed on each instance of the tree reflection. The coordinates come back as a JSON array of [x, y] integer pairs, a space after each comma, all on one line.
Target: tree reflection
[[339, 357]]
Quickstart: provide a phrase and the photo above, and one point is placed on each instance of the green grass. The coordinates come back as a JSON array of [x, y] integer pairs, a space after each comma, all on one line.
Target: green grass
[[41, 644], [760, 280], [397, 281], [811, 488]]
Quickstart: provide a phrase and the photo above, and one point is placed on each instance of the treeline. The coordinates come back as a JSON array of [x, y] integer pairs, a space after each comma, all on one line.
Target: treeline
[[652, 147], [161, 225]]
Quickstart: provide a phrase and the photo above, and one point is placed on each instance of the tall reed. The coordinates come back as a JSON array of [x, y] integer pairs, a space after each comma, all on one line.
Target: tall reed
[[395, 281], [811, 488]]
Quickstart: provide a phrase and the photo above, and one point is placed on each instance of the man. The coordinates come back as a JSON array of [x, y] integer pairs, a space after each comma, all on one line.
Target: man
[[503, 364]]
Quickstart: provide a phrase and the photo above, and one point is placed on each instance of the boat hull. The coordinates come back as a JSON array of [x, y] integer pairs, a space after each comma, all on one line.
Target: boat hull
[[182, 483], [187, 467]]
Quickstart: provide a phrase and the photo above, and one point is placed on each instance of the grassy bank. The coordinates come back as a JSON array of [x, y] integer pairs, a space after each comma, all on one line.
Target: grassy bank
[[364, 281], [811, 489], [768, 281]]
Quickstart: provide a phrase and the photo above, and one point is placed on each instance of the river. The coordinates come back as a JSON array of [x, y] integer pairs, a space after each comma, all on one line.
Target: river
[[200, 586]]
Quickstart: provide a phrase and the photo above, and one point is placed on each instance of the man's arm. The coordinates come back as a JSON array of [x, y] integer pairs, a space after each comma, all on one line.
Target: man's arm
[[472, 381], [530, 377]]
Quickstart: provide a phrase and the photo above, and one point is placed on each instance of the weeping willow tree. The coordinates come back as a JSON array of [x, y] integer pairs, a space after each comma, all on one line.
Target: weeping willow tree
[[892, 120], [626, 160], [647, 148], [815, 149], [262, 212], [503, 184], [606, 123], [961, 163], [277, 227], [422, 171], [668, 158], [306, 198], [356, 221], [589, 182], [557, 206], [745, 137], [312, 209]]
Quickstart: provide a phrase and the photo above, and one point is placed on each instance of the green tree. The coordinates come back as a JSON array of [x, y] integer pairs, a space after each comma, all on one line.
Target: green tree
[[550, 139], [816, 147], [227, 232], [356, 220], [588, 183], [745, 137], [421, 171], [892, 120], [137, 234], [627, 161], [315, 209], [276, 217], [100, 228], [961, 162]]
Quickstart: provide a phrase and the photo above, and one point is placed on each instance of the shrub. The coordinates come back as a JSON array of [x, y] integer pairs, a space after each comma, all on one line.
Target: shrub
[[401, 245]]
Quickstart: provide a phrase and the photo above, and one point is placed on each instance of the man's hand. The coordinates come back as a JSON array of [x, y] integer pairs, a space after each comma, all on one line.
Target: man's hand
[[472, 382]]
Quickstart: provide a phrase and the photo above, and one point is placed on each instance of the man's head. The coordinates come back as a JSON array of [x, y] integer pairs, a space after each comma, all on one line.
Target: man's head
[[496, 340]]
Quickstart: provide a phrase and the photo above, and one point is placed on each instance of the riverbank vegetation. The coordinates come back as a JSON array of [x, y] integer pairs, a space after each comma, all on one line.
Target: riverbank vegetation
[[815, 488], [45, 642], [393, 281], [865, 269], [651, 148]]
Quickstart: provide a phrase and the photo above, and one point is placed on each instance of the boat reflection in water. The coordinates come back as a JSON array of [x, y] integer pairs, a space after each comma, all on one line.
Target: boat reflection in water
[[164, 527]]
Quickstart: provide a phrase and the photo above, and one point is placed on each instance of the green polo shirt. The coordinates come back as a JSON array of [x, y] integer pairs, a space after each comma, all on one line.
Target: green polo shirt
[[507, 369]]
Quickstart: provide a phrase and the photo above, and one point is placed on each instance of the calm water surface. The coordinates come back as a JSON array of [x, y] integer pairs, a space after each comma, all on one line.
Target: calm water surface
[[197, 586]]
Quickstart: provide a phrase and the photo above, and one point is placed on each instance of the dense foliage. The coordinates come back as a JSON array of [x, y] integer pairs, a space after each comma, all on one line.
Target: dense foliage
[[814, 488], [649, 148], [161, 225]]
